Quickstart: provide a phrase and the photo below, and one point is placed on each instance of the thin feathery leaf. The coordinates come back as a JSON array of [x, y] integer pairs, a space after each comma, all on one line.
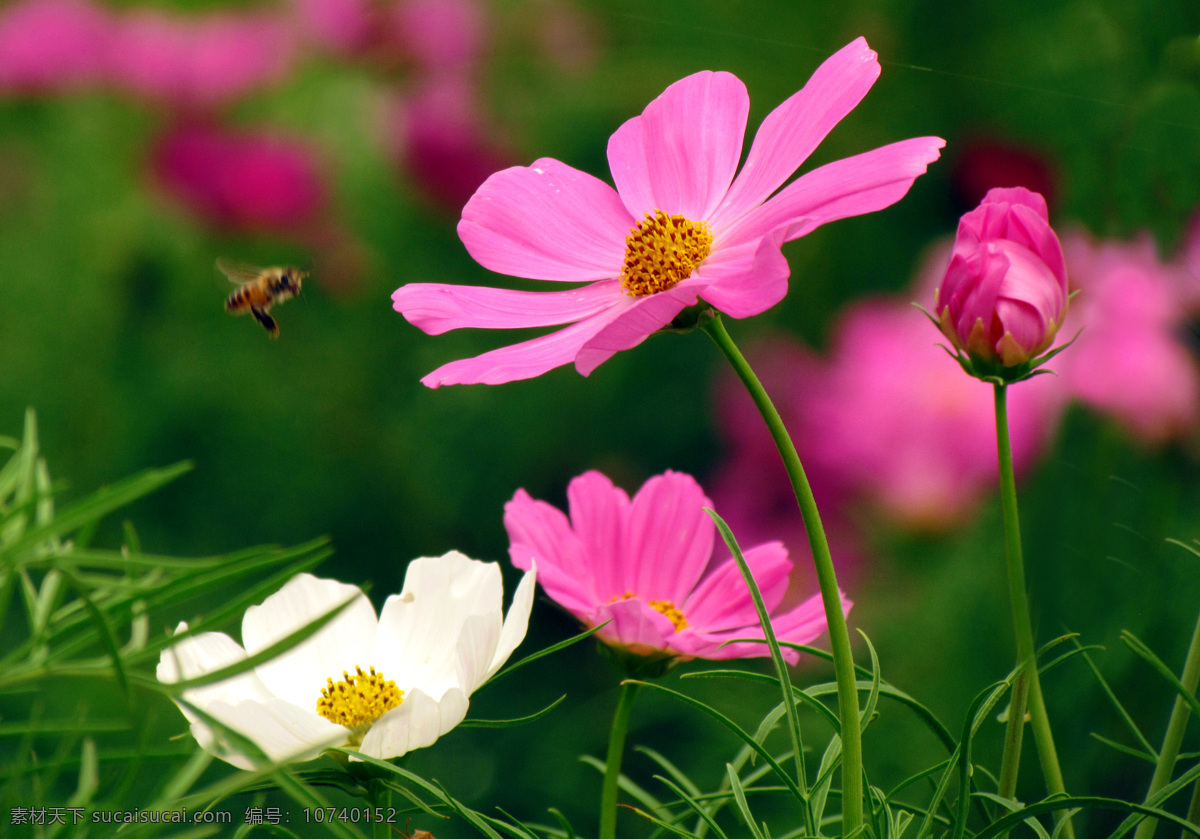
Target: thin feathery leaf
[[516, 720]]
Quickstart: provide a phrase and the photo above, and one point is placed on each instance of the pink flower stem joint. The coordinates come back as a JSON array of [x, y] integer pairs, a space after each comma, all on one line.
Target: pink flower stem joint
[[839, 635], [1028, 686]]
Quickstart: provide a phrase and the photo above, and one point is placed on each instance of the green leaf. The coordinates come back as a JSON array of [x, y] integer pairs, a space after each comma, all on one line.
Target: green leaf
[[1129, 750], [1116, 703], [739, 795], [1140, 649], [737, 730], [98, 504], [513, 722], [676, 775], [553, 648], [108, 635], [694, 806], [281, 646]]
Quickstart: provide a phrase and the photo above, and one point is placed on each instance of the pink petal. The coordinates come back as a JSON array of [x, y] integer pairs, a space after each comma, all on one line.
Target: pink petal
[[636, 322], [600, 518], [790, 132], [806, 622], [670, 537], [635, 623], [722, 600], [749, 278], [849, 187], [539, 532], [691, 142], [547, 221], [524, 360], [801, 625], [436, 308], [627, 162]]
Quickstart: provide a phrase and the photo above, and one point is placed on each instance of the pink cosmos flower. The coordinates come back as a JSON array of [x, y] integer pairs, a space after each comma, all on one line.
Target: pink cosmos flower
[[50, 44], [1004, 295], [1129, 360], [201, 61], [238, 180], [337, 25], [678, 227], [913, 436], [439, 135], [641, 565], [439, 34]]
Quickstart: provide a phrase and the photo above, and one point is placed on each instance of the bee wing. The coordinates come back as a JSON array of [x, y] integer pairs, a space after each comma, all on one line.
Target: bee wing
[[238, 272]]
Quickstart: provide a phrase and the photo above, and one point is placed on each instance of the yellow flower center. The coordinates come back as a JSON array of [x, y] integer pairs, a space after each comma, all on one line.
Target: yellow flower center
[[664, 607], [661, 251], [357, 701]]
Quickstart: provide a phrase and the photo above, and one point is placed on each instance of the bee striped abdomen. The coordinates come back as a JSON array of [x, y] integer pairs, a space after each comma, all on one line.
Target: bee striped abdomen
[[241, 299]]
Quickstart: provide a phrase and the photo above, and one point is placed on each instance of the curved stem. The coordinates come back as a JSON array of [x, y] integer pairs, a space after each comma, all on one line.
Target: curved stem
[[839, 635], [1028, 683], [1173, 739], [612, 763]]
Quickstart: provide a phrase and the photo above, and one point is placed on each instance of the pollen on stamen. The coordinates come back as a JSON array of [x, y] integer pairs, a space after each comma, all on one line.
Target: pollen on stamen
[[356, 701], [664, 607], [673, 613], [661, 251]]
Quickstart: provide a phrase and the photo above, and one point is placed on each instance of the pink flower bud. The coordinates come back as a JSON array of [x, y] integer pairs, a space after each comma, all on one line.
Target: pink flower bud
[[1004, 295]]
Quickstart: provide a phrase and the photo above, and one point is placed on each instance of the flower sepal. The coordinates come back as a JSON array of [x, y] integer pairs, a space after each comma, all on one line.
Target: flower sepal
[[693, 317], [995, 372], [639, 664]]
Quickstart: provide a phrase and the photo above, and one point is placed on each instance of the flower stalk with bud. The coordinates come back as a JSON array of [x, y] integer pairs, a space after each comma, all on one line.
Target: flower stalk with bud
[[1001, 303]]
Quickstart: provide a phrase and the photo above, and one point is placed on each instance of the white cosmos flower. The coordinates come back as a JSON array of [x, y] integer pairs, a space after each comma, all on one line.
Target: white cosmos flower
[[433, 644]]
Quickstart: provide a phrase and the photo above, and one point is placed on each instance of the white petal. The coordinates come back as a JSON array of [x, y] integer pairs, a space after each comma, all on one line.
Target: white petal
[[204, 653], [516, 622], [348, 640], [418, 722], [283, 731], [476, 644], [419, 629]]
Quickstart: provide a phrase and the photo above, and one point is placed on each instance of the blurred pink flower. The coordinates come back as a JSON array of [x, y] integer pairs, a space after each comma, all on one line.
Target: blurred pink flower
[[568, 35], [889, 425], [241, 180], [750, 486], [900, 422], [337, 25], [439, 34], [1004, 295], [982, 163], [641, 564], [1129, 360], [678, 226], [439, 136], [52, 44], [198, 61]]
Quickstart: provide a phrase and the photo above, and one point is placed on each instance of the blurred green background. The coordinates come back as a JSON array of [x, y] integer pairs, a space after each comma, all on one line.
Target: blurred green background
[[112, 327]]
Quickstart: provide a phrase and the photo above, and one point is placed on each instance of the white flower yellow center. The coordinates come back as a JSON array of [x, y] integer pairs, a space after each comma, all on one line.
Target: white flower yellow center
[[661, 251], [357, 701], [663, 607]]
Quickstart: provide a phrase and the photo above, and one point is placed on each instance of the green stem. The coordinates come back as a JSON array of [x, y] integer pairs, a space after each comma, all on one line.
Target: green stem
[[1173, 739], [381, 802], [839, 635], [1193, 814], [612, 764], [1027, 682]]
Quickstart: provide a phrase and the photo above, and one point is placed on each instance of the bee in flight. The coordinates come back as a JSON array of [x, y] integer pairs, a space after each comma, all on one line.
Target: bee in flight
[[260, 289]]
